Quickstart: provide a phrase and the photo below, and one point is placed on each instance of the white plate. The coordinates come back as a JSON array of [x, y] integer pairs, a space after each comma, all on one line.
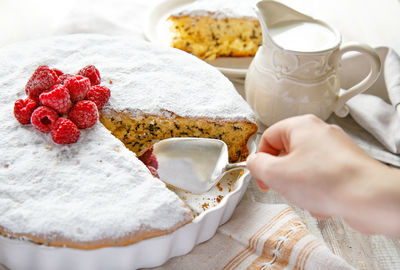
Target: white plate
[[20, 254], [157, 31]]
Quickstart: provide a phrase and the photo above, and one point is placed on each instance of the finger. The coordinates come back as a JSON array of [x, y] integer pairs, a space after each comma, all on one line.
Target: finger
[[319, 216], [262, 186], [272, 141], [277, 138], [266, 146], [266, 168]]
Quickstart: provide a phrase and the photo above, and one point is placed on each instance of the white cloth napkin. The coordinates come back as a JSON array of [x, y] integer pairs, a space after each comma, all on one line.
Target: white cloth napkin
[[378, 110], [261, 236]]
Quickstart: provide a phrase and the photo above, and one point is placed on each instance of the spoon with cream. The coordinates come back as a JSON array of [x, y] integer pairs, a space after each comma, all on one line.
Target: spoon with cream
[[193, 164]]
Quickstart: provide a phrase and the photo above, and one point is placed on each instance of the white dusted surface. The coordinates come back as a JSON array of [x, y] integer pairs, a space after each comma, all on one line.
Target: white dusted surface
[[23, 255], [46, 187], [143, 77]]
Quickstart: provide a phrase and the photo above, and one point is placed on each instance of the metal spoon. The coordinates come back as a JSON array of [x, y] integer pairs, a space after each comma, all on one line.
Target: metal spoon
[[193, 164]]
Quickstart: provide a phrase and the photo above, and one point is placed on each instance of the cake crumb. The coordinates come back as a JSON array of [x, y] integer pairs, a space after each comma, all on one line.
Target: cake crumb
[[48, 147], [6, 166], [219, 198], [219, 187], [110, 82], [205, 206], [117, 149]]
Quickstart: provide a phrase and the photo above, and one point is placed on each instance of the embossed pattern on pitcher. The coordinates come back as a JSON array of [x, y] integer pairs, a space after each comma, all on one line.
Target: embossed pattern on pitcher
[[301, 68]]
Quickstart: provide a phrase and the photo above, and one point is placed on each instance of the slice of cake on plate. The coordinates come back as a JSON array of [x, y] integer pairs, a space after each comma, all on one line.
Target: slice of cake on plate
[[95, 192], [215, 28]]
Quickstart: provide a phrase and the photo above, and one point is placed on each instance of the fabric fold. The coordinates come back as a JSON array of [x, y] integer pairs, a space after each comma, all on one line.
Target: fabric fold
[[379, 117], [261, 236]]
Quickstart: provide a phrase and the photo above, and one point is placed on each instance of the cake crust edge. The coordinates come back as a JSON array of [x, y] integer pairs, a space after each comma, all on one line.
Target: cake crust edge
[[57, 240]]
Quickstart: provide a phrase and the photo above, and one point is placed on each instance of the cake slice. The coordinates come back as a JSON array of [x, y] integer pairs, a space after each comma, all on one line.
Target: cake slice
[[215, 28], [140, 132], [96, 192], [158, 99]]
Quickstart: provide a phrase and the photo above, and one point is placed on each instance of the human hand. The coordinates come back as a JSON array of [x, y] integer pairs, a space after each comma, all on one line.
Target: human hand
[[319, 168]]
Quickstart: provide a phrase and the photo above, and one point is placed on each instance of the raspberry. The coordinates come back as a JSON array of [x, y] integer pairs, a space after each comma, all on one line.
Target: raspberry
[[43, 118], [57, 98], [23, 110], [63, 77], [153, 162], [92, 73], [153, 171], [65, 132], [84, 114], [145, 157], [149, 159], [42, 79], [78, 86], [58, 72], [99, 95]]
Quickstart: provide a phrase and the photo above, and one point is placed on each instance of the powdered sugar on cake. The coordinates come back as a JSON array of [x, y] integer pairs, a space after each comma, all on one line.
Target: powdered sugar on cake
[[87, 191], [219, 9], [96, 188], [155, 81], [143, 78]]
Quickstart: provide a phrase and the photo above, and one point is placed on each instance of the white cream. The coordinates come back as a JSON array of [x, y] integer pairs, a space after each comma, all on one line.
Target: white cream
[[303, 36]]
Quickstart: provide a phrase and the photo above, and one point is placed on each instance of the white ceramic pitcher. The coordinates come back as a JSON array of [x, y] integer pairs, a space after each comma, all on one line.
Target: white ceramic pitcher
[[282, 82]]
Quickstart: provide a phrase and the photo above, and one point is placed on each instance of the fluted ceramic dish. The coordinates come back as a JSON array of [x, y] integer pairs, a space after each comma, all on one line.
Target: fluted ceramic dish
[[211, 209]]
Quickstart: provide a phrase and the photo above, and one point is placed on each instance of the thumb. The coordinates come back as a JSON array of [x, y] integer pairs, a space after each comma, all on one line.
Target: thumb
[[264, 167]]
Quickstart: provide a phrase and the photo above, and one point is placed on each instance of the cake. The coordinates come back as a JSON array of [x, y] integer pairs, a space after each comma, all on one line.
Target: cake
[[214, 28], [96, 192]]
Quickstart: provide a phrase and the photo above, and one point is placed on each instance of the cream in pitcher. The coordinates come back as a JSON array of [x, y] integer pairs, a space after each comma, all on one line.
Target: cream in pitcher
[[294, 71], [303, 36]]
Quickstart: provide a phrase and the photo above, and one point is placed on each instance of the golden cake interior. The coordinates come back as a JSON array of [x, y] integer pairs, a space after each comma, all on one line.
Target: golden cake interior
[[209, 38], [139, 133]]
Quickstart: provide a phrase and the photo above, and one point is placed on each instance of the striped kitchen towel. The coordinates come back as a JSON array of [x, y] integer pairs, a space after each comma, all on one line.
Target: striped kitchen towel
[[261, 236]]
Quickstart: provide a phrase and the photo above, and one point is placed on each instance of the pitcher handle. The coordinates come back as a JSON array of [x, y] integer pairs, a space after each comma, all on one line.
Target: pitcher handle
[[341, 109]]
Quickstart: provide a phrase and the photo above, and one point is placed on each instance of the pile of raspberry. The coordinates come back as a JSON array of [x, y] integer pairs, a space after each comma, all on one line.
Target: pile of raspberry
[[62, 103]]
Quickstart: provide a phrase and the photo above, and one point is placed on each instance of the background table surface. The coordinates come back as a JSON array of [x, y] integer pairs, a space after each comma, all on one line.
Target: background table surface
[[370, 21]]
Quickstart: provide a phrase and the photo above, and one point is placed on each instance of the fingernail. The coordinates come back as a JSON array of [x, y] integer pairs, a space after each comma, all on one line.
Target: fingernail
[[251, 157], [263, 187]]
